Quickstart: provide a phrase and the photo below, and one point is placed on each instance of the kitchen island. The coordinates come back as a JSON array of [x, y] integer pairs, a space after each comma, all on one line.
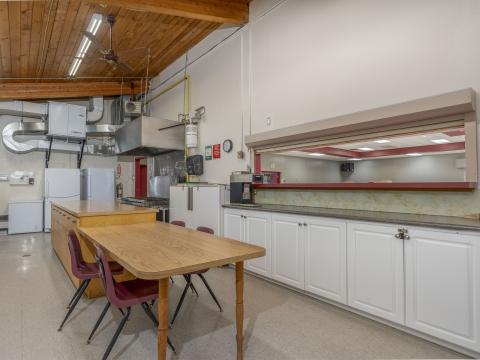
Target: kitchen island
[[69, 215]]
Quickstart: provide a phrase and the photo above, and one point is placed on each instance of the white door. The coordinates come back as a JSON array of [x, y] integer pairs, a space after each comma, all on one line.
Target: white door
[[206, 207], [178, 205], [326, 258], [443, 285], [375, 270], [288, 250], [258, 232], [233, 225]]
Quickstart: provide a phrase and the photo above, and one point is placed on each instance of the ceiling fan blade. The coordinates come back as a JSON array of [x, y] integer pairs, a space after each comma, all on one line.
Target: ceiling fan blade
[[124, 67], [91, 60], [143, 51], [95, 42]]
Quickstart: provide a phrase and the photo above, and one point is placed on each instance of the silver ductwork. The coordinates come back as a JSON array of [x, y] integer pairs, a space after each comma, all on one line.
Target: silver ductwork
[[37, 128], [149, 136], [95, 110], [24, 108]]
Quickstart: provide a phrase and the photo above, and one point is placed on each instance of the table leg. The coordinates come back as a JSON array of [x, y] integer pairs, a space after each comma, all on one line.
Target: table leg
[[239, 290], [162, 318]]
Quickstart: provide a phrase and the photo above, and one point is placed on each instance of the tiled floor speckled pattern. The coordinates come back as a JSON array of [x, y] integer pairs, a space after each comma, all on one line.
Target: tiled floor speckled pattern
[[279, 324]]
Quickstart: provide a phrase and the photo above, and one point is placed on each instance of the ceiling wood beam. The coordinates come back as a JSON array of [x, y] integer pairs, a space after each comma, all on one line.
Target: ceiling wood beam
[[64, 90], [220, 11]]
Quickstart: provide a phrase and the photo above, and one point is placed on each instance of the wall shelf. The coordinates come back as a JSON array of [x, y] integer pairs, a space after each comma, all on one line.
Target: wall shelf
[[410, 186]]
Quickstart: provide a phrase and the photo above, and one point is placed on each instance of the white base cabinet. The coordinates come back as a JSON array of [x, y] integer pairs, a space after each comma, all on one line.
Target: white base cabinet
[[288, 250], [443, 285], [375, 270], [326, 258], [253, 228], [429, 281]]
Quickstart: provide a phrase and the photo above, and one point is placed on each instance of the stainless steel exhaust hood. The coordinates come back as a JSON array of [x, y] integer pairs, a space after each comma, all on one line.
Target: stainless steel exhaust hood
[[149, 136]]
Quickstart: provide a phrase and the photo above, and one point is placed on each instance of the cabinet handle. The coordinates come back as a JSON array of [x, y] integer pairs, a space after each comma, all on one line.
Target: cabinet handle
[[304, 224], [299, 224]]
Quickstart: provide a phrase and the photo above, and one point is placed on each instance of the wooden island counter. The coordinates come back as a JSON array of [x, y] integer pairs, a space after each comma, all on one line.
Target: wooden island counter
[[69, 215]]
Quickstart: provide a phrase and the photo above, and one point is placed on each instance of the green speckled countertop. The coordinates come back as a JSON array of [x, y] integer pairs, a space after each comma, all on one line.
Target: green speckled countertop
[[444, 222]]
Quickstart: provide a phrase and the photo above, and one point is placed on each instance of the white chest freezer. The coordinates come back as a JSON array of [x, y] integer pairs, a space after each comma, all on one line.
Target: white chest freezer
[[25, 216]]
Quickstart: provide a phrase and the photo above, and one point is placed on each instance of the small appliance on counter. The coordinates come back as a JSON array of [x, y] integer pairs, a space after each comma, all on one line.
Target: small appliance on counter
[[241, 187]]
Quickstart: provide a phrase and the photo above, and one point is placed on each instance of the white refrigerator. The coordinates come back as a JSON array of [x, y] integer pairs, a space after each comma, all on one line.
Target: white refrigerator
[[97, 184], [60, 185]]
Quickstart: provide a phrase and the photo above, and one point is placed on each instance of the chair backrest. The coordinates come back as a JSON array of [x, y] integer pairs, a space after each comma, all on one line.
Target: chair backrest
[[205, 230], [77, 261], [107, 277], [178, 223]]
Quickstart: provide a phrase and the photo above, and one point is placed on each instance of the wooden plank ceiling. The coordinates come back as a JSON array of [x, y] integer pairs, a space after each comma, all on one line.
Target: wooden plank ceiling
[[39, 39]]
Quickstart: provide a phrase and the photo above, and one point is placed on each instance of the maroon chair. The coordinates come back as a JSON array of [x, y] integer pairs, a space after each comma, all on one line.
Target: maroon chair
[[124, 295], [83, 271], [178, 223], [188, 278]]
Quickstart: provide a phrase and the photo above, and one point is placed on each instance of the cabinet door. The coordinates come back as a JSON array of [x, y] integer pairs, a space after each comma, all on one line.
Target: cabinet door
[[233, 224], [178, 208], [375, 270], [442, 285], [258, 232], [326, 258], [288, 250], [206, 207]]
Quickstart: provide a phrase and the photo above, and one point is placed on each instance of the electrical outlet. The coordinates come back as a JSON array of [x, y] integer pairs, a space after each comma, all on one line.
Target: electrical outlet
[[269, 121]]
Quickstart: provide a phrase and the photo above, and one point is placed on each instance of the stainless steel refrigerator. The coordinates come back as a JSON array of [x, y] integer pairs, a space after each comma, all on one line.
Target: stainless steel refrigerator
[[97, 184]]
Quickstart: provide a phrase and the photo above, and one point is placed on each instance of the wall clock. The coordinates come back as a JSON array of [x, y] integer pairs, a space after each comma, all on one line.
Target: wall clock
[[227, 145]]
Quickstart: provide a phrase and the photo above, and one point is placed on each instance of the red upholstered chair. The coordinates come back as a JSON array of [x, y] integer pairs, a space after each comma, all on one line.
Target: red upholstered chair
[[83, 271], [124, 295], [188, 278]]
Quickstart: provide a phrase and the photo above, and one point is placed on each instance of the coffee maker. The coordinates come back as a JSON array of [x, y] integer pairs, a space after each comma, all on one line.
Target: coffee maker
[[241, 187]]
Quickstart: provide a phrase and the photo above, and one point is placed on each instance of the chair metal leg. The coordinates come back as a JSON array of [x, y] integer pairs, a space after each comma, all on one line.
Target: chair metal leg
[[78, 294], [117, 333], [75, 295], [194, 290], [189, 281], [99, 321], [152, 317], [210, 291]]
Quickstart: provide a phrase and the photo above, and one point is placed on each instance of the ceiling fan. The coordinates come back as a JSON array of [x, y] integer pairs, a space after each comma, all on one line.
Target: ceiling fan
[[109, 55]]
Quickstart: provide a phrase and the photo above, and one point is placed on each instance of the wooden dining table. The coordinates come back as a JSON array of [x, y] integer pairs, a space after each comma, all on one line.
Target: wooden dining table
[[156, 251]]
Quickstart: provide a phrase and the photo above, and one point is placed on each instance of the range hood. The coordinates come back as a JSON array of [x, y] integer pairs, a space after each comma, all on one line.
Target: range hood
[[149, 136]]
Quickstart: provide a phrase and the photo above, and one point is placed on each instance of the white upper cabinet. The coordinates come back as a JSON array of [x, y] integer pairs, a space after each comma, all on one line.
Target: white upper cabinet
[[375, 270], [443, 285], [288, 250], [258, 232], [326, 258]]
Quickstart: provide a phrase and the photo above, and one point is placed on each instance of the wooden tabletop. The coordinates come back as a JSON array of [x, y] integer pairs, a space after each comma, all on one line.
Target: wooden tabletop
[[81, 208], [158, 250]]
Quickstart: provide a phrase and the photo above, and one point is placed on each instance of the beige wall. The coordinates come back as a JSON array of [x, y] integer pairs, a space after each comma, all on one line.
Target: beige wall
[[304, 60], [35, 161]]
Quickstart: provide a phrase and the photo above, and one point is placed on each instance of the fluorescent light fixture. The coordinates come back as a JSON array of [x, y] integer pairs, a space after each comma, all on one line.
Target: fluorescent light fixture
[[382, 141], [317, 154], [414, 154], [92, 28], [365, 149], [440, 141], [354, 159]]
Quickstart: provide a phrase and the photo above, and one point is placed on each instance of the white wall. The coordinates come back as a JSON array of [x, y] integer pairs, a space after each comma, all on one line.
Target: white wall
[[307, 60], [303, 60]]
